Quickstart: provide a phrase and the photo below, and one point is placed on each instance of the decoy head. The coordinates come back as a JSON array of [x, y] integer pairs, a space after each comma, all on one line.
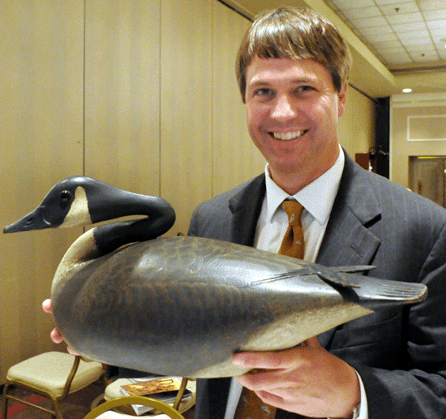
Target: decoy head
[[80, 200], [56, 209]]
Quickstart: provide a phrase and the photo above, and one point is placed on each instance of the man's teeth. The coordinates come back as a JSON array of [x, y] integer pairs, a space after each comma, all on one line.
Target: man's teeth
[[287, 136]]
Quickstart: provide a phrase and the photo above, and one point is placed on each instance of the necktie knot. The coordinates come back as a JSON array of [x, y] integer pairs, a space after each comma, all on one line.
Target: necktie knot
[[294, 210]]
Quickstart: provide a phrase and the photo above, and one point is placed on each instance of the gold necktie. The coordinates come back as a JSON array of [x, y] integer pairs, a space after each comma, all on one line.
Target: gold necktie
[[250, 405], [293, 240]]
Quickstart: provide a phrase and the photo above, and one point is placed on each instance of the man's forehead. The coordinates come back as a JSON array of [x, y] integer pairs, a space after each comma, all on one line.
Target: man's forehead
[[263, 71]]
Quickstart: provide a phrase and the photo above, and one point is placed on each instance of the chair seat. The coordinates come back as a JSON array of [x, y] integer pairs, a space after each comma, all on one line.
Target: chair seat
[[113, 391], [48, 372]]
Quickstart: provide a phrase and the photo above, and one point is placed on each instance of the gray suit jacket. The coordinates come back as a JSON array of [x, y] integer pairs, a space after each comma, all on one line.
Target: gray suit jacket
[[400, 353]]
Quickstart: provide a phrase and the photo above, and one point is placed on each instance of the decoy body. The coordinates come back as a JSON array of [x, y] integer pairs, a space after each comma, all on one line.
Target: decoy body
[[184, 305]]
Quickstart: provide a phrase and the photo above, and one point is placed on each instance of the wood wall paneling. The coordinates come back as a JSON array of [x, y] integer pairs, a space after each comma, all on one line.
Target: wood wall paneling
[[122, 90], [356, 129], [186, 106], [41, 136], [363, 123]]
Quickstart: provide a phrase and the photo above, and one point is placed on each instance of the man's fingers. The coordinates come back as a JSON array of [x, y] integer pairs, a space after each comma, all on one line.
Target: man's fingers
[[274, 360], [46, 306], [71, 351], [56, 337], [257, 360]]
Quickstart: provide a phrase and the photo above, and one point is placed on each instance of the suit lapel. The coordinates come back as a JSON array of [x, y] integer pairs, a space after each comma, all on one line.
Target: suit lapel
[[348, 240], [246, 207]]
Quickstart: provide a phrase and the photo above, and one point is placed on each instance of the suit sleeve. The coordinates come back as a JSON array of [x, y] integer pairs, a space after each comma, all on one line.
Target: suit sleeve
[[193, 225], [418, 392], [200, 223]]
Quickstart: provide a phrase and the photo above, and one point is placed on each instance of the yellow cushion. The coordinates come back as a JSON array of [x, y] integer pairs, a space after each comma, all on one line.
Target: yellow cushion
[[49, 371], [113, 390]]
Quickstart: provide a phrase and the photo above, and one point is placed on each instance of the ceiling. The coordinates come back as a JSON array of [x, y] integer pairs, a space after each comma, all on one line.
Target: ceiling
[[403, 34], [395, 44]]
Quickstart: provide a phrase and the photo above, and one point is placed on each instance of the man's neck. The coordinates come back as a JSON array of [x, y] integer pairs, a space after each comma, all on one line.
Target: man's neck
[[294, 181]]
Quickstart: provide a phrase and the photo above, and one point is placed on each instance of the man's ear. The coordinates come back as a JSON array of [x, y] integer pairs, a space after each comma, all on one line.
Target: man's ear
[[342, 96]]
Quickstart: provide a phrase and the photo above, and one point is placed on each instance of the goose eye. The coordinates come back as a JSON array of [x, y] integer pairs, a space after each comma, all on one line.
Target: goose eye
[[65, 198]]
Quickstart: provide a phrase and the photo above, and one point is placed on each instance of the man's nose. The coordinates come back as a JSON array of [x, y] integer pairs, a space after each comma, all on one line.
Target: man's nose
[[283, 109]]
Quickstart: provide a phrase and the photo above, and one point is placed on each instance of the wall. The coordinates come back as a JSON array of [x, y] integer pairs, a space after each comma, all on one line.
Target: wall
[[402, 107], [139, 94], [357, 125], [41, 131]]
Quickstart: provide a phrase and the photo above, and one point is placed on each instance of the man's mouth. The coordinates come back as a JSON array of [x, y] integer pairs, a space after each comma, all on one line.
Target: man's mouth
[[287, 136]]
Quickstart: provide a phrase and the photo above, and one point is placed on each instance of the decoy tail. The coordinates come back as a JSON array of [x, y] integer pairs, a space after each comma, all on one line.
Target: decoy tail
[[375, 292]]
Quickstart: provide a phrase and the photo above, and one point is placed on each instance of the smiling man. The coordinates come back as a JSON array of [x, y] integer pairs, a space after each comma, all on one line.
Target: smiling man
[[292, 69]]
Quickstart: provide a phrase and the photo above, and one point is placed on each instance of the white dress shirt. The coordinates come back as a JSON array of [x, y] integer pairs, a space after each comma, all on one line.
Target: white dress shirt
[[317, 199]]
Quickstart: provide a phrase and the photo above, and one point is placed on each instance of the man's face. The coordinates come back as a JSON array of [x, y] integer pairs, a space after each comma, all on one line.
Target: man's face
[[292, 112]]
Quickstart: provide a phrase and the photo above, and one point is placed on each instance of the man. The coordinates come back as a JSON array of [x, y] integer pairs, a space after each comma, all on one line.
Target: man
[[292, 70]]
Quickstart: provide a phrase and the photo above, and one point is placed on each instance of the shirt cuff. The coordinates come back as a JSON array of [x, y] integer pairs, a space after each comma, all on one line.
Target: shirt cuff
[[363, 410]]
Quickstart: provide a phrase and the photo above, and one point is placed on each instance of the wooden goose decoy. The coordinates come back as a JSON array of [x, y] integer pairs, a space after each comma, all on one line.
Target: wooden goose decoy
[[184, 305]]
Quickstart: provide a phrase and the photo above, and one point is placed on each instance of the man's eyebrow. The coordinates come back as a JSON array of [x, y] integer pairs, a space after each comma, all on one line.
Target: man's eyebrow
[[261, 82]]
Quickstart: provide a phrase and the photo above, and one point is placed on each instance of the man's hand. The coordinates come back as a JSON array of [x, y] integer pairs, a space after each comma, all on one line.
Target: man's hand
[[306, 379], [55, 335]]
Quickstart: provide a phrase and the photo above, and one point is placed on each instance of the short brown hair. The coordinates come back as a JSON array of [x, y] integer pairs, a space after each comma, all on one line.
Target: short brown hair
[[289, 32]]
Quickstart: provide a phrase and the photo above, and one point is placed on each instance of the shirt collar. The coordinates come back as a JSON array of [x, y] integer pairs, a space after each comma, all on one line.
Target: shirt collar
[[317, 198]]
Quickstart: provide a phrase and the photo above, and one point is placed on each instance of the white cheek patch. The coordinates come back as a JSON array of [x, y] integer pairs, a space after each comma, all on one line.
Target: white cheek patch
[[78, 214]]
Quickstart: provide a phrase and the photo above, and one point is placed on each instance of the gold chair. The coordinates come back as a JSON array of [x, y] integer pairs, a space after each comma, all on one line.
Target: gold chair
[[101, 410], [53, 375]]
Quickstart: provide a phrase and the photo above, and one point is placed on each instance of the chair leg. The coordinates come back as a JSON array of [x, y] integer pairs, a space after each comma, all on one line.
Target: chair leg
[[5, 401], [57, 409]]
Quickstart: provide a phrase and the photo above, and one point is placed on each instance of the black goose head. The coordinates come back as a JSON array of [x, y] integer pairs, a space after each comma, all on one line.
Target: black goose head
[[80, 200], [53, 210]]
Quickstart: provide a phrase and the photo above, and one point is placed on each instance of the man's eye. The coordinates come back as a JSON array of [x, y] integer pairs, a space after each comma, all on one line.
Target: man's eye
[[304, 89], [263, 92]]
